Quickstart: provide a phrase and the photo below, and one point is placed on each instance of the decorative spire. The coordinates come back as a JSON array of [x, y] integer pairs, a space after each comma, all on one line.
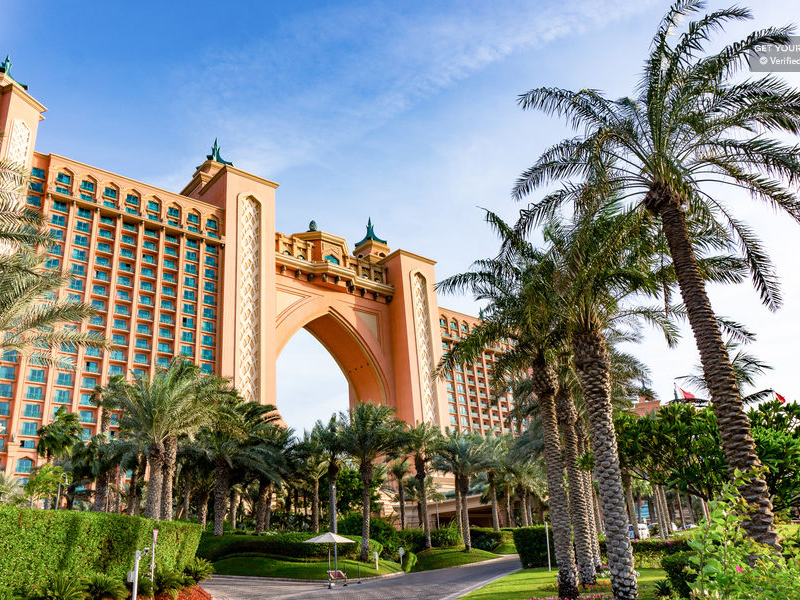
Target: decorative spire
[[370, 235], [312, 226], [215, 154], [5, 67]]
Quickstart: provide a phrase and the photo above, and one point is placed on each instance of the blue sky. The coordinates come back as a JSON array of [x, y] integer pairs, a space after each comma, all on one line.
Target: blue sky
[[404, 112]]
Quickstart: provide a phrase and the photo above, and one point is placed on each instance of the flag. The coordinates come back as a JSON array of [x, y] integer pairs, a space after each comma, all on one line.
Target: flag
[[687, 395], [779, 397]]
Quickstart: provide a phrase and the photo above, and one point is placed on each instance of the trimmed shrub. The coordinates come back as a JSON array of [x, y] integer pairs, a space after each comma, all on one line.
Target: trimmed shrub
[[677, 568], [485, 538], [35, 545], [647, 554], [531, 543], [412, 540], [409, 560], [380, 530], [290, 544], [446, 537]]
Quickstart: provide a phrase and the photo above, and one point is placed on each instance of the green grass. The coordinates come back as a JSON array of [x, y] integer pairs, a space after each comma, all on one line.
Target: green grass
[[270, 566], [441, 558], [536, 583], [505, 547]]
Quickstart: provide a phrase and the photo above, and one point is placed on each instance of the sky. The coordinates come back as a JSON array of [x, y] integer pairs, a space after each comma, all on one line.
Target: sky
[[403, 112]]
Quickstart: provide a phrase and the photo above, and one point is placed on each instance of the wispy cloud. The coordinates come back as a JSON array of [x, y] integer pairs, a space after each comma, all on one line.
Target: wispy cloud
[[324, 78]]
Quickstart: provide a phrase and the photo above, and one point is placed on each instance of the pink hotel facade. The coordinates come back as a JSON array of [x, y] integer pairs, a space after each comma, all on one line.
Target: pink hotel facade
[[203, 273]]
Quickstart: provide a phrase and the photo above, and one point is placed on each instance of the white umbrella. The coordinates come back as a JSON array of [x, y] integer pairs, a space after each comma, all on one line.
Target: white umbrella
[[330, 538]]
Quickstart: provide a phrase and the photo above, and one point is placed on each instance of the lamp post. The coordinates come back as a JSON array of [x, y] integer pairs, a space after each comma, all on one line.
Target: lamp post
[[334, 526]]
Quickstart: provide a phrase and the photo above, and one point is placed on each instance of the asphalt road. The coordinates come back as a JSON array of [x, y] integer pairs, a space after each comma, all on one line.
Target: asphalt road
[[441, 584]]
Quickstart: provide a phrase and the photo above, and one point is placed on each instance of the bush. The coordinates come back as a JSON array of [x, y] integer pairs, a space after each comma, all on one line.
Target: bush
[[104, 587], [445, 537], [144, 587], [412, 540], [531, 543], [198, 569], [72, 543], [677, 568], [380, 530], [168, 583], [409, 560], [647, 554], [291, 544], [61, 587], [485, 538]]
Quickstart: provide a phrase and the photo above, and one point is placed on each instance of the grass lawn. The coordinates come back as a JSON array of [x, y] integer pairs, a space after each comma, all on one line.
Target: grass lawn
[[440, 558], [538, 583], [269, 566], [505, 548]]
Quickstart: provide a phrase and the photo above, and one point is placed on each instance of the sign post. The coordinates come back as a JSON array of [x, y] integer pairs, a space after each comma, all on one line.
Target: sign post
[[153, 556], [135, 589], [401, 551]]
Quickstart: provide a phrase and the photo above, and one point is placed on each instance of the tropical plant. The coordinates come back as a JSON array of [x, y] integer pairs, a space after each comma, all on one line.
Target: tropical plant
[[399, 468], [167, 583], [199, 569], [421, 442], [693, 124], [328, 437], [98, 586], [59, 436], [368, 431]]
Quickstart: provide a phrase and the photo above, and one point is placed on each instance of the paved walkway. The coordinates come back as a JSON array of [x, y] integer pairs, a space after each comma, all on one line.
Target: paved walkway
[[441, 584]]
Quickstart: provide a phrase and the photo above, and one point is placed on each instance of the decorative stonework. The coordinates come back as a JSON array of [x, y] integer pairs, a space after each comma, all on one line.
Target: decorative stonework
[[18, 143], [248, 301], [422, 327]]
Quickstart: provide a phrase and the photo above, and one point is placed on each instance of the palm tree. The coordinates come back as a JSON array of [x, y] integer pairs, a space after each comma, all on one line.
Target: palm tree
[[693, 124], [462, 455], [421, 441], [160, 408], [58, 437], [399, 469], [495, 450], [9, 487], [369, 431], [328, 437], [273, 465]]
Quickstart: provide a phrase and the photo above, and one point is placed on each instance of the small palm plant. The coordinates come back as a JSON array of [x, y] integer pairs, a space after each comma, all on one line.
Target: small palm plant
[[99, 586]]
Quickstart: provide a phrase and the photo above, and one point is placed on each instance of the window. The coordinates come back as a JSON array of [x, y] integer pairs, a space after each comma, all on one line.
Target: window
[[208, 340], [103, 247], [64, 178], [32, 411], [82, 240], [187, 351], [126, 253], [36, 375], [82, 226], [206, 369], [169, 251], [100, 290], [29, 428], [127, 239], [210, 274], [24, 465], [89, 382], [162, 347], [143, 329], [37, 173], [193, 218], [58, 220], [34, 200], [4, 408], [118, 354], [208, 326], [207, 354], [149, 245], [211, 224], [208, 313], [123, 280], [34, 393], [164, 332], [191, 269], [132, 199], [146, 300], [145, 314], [64, 379], [332, 259], [62, 397], [114, 370], [189, 295], [6, 372], [60, 206], [211, 261], [106, 234], [121, 309], [154, 206], [189, 309], [148, 272], [87, 186], [191, 255], [87, 416], [168, 305], [118, 339], [173, 212], [110, 193], [79, 254]]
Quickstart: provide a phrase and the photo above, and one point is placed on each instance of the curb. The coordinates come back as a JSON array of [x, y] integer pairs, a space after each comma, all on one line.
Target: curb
[[475, 564], [223, 578]]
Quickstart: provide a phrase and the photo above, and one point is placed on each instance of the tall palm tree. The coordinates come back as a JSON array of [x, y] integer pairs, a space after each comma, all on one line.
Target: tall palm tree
[[9, 487], [462, 455], [692, 125], [399, 468], [157, 409], [420, 441], [328, 437], [369, 431], [495, 450]]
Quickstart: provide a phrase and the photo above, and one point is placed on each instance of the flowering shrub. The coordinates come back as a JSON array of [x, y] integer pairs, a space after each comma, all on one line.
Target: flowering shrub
[[600, 596], [730, 566]]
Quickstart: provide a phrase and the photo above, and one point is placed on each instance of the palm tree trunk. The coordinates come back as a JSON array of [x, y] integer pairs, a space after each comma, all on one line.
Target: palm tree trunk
[[401, 493], [528, 506], [578, 507], [523, 511], [507, 495], [463, 481], [170, 455], [155, 459], [420, 475], [680, 509], [264, 498], [588, 490], [626, 483], [544, 386], [119, 481], [366, 479], [495, 507], [100, 492], [733, 423], [221, 478], [133, 490], [187, 499], [419, 512], [459, 520], [315, 507], [236, 498], [202, 507], [333, 473], [593, 368]]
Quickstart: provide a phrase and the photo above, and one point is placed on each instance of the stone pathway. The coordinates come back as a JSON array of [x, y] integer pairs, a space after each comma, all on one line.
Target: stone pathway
[[441, 584]]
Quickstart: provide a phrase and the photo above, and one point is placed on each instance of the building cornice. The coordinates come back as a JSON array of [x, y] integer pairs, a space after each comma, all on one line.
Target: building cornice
[[408, 254], [8, 83]]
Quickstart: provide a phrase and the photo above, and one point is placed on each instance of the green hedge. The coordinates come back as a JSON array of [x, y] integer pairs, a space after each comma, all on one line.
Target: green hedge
[[648, 554], [380, 530], [486, 538], [446, 537], [37, 544], [531, 543], [676, 566], [290, 544]]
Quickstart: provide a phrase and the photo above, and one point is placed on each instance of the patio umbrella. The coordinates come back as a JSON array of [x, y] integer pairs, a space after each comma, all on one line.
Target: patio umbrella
[[330, 538]]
